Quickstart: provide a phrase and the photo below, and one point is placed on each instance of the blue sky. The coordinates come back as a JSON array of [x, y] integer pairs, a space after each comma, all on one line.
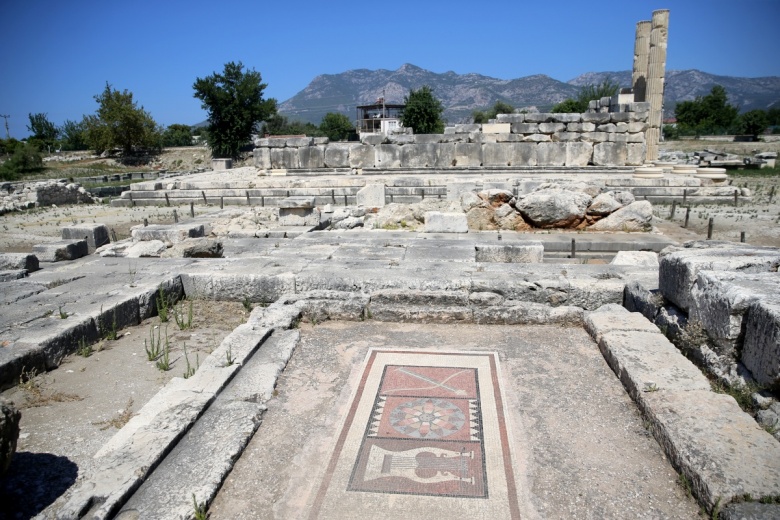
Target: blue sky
[[58, 55]]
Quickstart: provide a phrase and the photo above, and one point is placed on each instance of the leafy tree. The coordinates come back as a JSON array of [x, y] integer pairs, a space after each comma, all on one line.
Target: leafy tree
[[73, 135], [43, 130], [234, 103], [753, 122], [120, 123], [587, 93], [26, 158], [336, 127], [773, 116], [708, 114], [177, 135], [423, 112], [499, 108], [278, 124]]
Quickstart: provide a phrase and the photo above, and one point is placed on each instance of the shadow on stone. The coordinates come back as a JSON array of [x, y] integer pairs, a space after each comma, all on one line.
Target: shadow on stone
[[34, 481]]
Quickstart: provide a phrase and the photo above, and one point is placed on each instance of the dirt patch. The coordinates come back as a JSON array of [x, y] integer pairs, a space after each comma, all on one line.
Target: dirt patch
[[68, 414]]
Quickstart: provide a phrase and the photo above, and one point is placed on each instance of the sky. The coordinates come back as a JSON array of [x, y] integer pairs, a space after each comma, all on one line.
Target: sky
[[58, 55]]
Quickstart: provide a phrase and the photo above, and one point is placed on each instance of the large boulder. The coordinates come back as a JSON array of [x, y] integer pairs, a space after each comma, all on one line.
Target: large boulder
[[604, 204], [496, 197], [554, 207], [9, 433], [637, 216]]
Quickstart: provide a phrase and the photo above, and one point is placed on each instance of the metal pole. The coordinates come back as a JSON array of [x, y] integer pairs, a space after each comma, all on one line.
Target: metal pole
[[674, 209], [573, 248], [204, 197], [222, 202], [146, 222], [742, 237], [167, 200], [175, 217], [685, 196], [192, 209], [687, 216], [771, 193], [247, 197], [710, 228]]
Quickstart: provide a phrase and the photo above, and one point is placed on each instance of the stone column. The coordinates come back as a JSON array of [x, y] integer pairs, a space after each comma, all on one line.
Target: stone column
[[641, 60], [655, 79]]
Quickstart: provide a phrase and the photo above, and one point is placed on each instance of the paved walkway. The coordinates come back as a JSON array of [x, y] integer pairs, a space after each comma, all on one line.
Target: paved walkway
[[382, 420]]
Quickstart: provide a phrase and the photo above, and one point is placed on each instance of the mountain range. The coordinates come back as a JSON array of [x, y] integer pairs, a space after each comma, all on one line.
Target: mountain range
[[461, 94]]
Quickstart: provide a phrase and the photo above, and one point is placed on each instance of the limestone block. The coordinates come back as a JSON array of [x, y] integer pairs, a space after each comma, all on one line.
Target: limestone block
[[547, 208], [372, 196], [603, 204], [277, 142], [579, 154], [400, 139], [496, 154], [639, 106], [565, 137], [388, 156], [637, 126], [96, 235], [479, 137], [285, 158], [595, 117], [608, 127], [496, 128], [680, 266], [509, 138], [145, 249], [297, 202], [525, 128], [510, 118], [299, 216], [337, 155], [61, 250], [619, 117], [761, 347], [621, 127], [638, 137], [418, 156], [262, 142], [537, 138], [465, 129], [640, 258], [439, 222], [595, 137], [637, 216], [551, 154], [450, 130], [362, 156], [540, 117], [320, 141], [566, 117], [262, 158], [610, 154], [551, 128], [373, 139], [636, 153], [526, 253], [298, 142], [640, 117], [17, 261], [527, 313], [468, 154], [720, 449], [311, 157], [427, 138], [456, 189], [522, 154], [445, 155], [221, 164], [172, 234], [581, 127]]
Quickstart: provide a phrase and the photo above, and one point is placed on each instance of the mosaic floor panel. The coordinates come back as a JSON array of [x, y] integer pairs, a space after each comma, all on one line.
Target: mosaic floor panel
[[429, 426]]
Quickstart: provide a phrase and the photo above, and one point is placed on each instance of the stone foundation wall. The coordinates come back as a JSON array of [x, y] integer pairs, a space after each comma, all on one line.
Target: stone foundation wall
[[609, 134]]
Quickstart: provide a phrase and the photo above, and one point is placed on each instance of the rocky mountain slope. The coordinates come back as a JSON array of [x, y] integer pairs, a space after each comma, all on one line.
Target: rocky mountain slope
[[463, 93]]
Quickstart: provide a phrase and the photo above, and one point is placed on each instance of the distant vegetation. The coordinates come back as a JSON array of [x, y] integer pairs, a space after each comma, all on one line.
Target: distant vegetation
[[423, 112], [713, 115], [499, 108], [588, 93]]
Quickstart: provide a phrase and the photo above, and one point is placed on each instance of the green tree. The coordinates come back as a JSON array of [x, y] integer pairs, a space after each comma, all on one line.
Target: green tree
[[177, 135], [710, 114], [278, 124], [73, 135], [587, 93], [43, 130], [336, 127], [423, 112], [26, 158], [753, 123], [498, 108], [235, 105], [119, 123]]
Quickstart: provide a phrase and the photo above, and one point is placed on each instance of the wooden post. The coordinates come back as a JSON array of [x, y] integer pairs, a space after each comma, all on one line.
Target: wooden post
[[146, 222], [192, 209], [685, 196], [742, 237], [674, 210], [710, 228], [167, 200], [736, 198], [771, 193], [113, 235], [573, 248], [687, 216], [175, 216], [221, 202], [204, 197], [130, 196], [247, 197]]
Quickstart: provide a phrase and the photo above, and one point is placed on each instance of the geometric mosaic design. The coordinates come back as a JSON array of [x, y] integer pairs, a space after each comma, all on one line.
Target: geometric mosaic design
[[424, 435]]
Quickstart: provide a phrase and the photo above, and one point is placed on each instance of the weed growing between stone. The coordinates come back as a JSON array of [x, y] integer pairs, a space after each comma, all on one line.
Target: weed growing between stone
[[32, 385], [84, 350], [229, 359], [190, 370], [164, 361], [178, 315], [200, 511], [162, 306], [247, 304], [742, 394], [120, 420], [154, 347], [63, 314]]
